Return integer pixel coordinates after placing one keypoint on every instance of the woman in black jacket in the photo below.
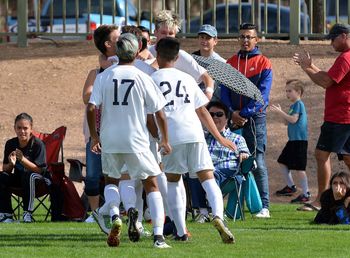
(335, 201)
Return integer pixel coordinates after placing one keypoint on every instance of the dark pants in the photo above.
(17, 180)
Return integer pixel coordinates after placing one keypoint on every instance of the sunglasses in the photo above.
(217, 114)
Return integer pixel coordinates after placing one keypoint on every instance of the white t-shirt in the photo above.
(125, 93)
(183, 97)
(185, 63)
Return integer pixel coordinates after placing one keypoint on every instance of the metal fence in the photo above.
(66, 19)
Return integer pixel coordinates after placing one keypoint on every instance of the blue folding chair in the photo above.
(233, 187)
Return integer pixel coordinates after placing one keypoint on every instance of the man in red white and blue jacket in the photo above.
(247, 113)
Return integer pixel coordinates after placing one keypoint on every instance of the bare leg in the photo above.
(94, 202)
(323, 173)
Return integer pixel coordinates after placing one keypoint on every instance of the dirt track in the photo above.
(46, 81)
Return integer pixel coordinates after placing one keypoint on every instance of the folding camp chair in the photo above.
(54, 147)
(233, 188)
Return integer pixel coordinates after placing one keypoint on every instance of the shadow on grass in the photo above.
(306, 228)
(42, 240)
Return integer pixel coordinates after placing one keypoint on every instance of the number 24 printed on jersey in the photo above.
(180, 93)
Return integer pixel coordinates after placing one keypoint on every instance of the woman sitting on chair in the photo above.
(225, 161)
(24, 161)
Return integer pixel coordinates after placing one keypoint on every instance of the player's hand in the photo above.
(12, 158)
(164, 148)
(95, 145)
(227, 143)
(144, 55)
(303, 59)
(19, 155)
(237, 119)
(243, 156)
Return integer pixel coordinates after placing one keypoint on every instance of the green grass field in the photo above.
(288, 233)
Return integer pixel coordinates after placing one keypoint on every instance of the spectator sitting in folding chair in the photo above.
(225, 161)
(23, 164)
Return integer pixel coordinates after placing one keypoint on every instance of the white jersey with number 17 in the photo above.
(183, 97)
(126, 94)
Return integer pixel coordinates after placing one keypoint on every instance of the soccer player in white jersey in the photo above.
(185, 110)
(167, 24)
(126, 94)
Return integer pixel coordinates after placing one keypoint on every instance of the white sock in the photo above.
(183, 195)
(303, 182)
(112, 201)
(176, 207)
(163, 188)
(127, 193)
(155, 203)
(214, 196)
(287, 175)
(139, 199)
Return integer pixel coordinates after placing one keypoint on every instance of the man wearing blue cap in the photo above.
(207, 40)
(335, 130)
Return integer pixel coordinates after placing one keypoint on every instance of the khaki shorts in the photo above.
(139, 165)
(188, 157)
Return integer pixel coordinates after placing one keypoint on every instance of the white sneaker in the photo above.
(103, 221)
(201, 218)
(27, 217)
(90, 219)
(160, 243)
(6, 218)
(263, 214)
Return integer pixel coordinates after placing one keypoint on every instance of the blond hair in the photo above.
(296, 85)
(169, 19)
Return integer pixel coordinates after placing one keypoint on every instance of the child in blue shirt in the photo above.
(294, 154)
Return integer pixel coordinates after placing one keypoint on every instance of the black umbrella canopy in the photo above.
(230, 77)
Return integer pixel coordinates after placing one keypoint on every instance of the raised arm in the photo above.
(289, 118)
(319, 77)
(209, 85)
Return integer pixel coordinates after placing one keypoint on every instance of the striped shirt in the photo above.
(222, 156)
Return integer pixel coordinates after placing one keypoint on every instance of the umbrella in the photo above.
(229, 77)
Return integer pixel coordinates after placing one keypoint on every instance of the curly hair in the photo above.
(169, 19)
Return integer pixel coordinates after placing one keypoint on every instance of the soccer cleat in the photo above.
(287, 191)
(183, 238)
(302, 198)
(143, 231)
(159, 242)
(27, 217)
(114, 236)
(6, 218)
(226, 235)
(133, 231)
(103, 221)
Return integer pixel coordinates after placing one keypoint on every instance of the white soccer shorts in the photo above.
(188, 157)
(139, 165)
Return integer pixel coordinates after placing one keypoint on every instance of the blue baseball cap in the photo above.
(338, 29)
(209, 30)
